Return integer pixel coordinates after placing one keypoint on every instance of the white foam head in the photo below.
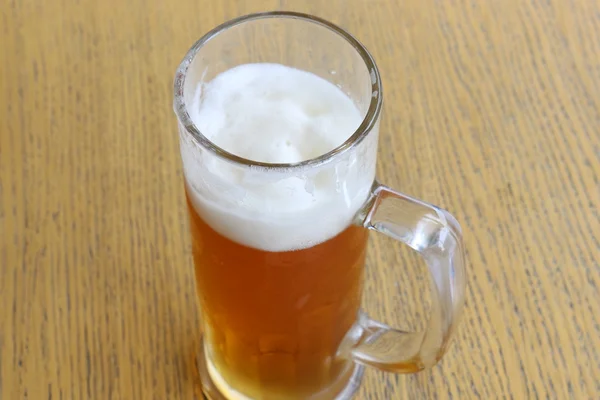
(276, 114)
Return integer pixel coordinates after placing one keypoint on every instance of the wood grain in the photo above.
(492, 111)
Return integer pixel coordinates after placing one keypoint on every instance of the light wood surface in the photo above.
(492, 111)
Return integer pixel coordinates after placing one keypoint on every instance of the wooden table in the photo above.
(492, 111)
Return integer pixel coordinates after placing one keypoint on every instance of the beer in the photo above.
(278, 117)
(278, 262)
(273, 320)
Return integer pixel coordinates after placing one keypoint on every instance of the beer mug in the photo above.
(279, 246)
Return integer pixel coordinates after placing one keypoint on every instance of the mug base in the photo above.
(214, 386)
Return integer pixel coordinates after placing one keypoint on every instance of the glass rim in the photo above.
(368, 121)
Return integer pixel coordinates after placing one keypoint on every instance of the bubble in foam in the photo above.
(277, 114)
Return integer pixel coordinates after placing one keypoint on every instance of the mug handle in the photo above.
(437, 236)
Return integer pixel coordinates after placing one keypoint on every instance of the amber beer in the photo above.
(278, 264)
(273, 321)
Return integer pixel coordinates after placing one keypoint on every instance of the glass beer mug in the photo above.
(279, 247)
